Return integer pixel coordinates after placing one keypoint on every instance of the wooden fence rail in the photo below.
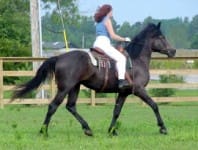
(92, 100)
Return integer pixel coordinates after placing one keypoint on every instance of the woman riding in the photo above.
(104, 33)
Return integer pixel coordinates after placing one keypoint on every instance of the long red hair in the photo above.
(102, 12)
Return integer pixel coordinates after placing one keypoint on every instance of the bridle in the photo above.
(163, 41)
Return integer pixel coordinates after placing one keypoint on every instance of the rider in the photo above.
(104, 33)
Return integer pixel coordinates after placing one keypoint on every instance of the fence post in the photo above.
(93, 98)
(1, 84)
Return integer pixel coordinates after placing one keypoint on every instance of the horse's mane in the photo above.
(136, 45)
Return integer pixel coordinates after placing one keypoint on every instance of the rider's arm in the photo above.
(112, 34)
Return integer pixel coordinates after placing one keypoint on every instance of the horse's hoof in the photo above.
(43, 131)
(113, 132)
(45, 135)
(88, 132)
(163, 131)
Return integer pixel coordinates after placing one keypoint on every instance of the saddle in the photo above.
(105, 62)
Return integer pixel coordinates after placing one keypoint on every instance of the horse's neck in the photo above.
(144, 58)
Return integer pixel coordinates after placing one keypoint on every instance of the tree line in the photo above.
(15, 39)
(180, 32)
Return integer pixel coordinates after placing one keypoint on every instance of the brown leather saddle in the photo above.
(105, 62)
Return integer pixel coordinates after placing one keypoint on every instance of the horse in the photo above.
(75, 68)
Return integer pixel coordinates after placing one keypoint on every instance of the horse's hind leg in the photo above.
(52, 109)
(144, 96)
(71, 107)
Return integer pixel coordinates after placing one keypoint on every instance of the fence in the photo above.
(93, 100)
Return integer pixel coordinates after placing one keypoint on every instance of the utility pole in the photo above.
(36, 36)
(35, 28)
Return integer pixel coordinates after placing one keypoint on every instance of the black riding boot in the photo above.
(123, 84)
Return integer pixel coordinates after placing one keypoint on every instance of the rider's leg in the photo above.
(104, 43)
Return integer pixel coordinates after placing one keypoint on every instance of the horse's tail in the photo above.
(47, 69)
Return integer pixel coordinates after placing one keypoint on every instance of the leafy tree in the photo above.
(181, 33)
(14, 28)
(194, 26)
(148, 20)
(194, 42)
(14, 34)
(83, 33)
(136, 28)
(194, 32)
(125, 29)
(176, 31)
(69, 10)
(52, 25)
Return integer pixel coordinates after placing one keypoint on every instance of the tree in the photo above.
(194, 26)
(194, 32)
(125, 29)
(194, 42)
(14, 33)
(177, 31)
(68, 9)
(14, 28)
(52, 25)
(136, 28)
(181, 33)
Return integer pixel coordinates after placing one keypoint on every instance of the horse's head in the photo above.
(159, 42)
(152, 39)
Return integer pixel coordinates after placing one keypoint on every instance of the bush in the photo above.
(195, 64)
(166, 91)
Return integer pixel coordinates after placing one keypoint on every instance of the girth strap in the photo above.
(105, 77)
(104, 61)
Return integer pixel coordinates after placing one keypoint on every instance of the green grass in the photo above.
(19, 126)
(189, 92)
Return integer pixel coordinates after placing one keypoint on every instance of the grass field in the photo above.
(19, 126)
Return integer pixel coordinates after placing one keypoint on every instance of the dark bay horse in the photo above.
(75, 68)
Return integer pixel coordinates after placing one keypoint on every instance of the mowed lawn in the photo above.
(20, 125)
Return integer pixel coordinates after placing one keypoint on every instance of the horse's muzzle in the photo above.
(171, 52)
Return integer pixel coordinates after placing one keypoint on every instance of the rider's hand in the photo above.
(127, 39)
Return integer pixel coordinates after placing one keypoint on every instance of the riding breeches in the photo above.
(104, 43)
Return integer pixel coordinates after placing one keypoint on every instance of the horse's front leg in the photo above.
(117, 109)
(141, 92)
(71, 107)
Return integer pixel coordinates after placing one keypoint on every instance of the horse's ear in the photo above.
(158, 25)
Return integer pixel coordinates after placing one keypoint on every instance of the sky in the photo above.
(137, 10)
